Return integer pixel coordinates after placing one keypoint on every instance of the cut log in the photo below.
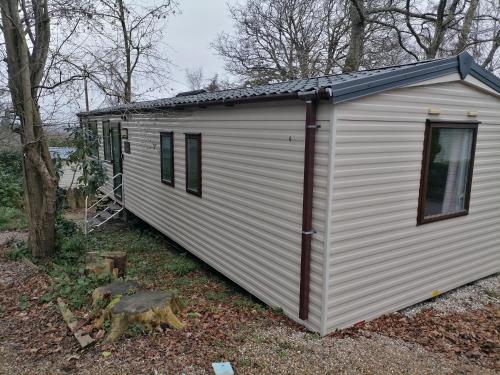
(82, 337)
(111, 262)
(109, 291)
(119, 261)
(149, 309)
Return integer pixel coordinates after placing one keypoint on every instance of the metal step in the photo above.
(107, 206)
(114, 207)
(104, 215)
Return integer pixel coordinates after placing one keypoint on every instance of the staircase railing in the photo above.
(110, 194)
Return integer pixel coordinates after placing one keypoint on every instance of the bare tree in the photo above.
(195, 78)
(464, 33)
(426, 30)
(358, 19)
(123, 45)
(284, 39)
(27, 42)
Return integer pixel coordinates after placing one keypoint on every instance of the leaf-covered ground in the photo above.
(223, 323)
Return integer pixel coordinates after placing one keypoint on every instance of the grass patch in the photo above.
(12, 218)
(181, 265)
(247, 302)
(219, 296)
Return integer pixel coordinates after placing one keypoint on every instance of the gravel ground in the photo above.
(473, 296)
(281, 350)
(285, 351)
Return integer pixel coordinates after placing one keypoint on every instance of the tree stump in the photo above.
(112, 262)
(150, 309)
(119, 287)
(119, 262)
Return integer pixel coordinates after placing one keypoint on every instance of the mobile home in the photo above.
(337, 198)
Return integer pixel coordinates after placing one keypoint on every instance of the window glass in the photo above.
(193, 163)
(167, 157)
(93, 138)
(448, 173)
(106, 140)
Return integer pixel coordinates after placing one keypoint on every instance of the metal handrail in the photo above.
(106, 220)
(102, 198)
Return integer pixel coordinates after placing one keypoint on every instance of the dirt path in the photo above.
(35, 340)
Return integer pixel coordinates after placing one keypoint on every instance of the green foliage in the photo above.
(181, 265)
(11, 179)
(12, 218)
(106, 325)
(65, 227)
(18, 250)
(59, 140)
(73, 285)
(247, 302)
(217, 296)
(84, 158)
(24, 303)
(135, 329)
(68, 267)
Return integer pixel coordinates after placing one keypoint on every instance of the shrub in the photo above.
(12, 218)
(18, 250)
(11, 179)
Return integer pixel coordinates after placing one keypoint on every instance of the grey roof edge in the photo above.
(485, 76)
(392, 79)
(343, 87)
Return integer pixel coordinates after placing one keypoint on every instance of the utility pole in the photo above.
(85, 88)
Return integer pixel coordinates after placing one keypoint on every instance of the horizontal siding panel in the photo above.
(380, 260)
(248, 222)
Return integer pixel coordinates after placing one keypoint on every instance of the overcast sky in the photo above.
(189, 35)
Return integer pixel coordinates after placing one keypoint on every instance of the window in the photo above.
(126, 147)
(447, 165)
(92, 138)
(167, 158)
(193, 164)
(106, 140)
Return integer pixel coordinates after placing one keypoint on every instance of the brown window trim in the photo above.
(171, 135)
(429, 125)
(196, 136)
(106, 141)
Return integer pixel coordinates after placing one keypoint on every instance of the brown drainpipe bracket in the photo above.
(311, 99)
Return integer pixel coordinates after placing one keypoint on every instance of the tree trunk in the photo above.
(356, 40)
(40, 203)
(463, 37)
(127, 95)
(493, 50)
(24, 73)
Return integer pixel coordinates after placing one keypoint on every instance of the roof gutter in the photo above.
(311, 99)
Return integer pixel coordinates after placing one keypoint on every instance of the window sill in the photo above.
(169, 183)
(432, 219)
(193, 192)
